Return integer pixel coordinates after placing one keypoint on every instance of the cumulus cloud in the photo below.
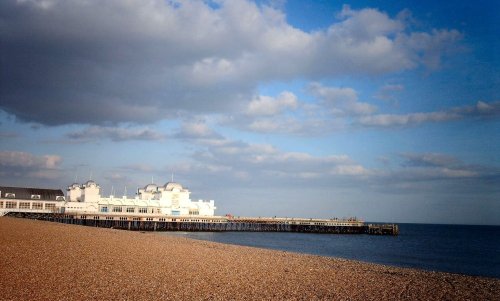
(116, 134)
(337, 108)
(137, 61)
(26, 165)
(197, 130)
(228, 157)
(265, 105)
(27, 160)
(341, 101)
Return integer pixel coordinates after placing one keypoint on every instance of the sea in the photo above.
(462, 249)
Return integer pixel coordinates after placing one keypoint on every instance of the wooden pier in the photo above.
(216, 223)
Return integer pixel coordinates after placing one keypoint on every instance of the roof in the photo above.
(22, 193)
(151, 187)
(171, 185)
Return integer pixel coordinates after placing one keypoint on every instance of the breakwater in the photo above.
(217, 223)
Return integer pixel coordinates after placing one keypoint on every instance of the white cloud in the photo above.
(391, 120)
(27, 160)
(341, 101)
(24, 165)
(197, 129)
(428, 48)
(144, 61)
(265, 105)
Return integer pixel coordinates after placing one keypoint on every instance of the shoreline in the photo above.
(294, 243)
(45, 260)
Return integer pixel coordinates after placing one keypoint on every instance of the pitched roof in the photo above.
(22, 193)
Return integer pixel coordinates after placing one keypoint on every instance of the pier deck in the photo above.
(216, 223)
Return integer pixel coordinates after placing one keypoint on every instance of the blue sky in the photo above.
(388, 111)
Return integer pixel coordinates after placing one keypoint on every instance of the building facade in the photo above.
(20, 199)
(171, 199)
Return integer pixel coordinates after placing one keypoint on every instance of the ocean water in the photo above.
(470, 250)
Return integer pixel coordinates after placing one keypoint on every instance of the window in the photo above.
(60, 198)
(104, 209)
(194, 212)
(130, 209)
(10, 204)
(1, 204)
(50, 206)
(143, 210)
(35, 196)
(10, 195)
(24, 205)
(123, 218)
(37, 206)
(117, 209)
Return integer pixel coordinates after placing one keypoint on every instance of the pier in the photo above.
(216, 223)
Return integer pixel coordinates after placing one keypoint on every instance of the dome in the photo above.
(90, 182)
(171, 185)
(151, 187)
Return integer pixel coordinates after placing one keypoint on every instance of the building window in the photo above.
(35, 196)
(117, 209)
(10, 204)
(37, 206)
(194, 212)
(123, 218)
(24, 205)
(130, 209)
(10, 195)
(50, 206)
(60, 198)
(104, 209)
(143, 210)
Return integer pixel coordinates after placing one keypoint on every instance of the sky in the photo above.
(384, 110)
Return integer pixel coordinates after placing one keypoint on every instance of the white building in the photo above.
(169, 199)
(35, 200)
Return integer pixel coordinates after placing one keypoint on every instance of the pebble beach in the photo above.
(50, 261)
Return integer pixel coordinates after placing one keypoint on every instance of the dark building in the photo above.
(21, 193)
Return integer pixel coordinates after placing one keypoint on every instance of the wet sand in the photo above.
(51, 261)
